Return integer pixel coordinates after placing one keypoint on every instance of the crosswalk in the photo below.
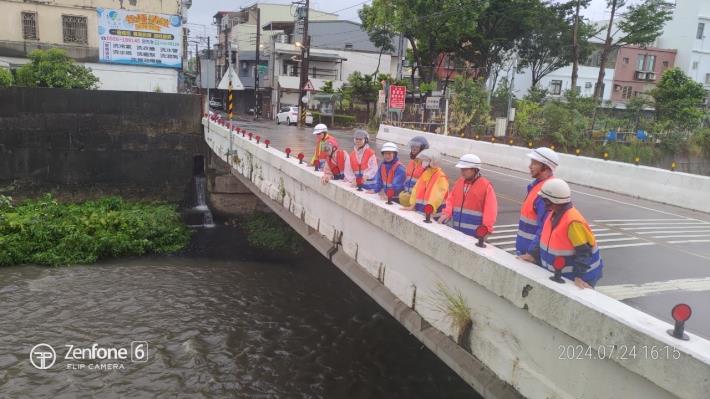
(625, 233)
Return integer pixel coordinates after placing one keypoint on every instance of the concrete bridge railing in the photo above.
(675, 188)
(540, 338)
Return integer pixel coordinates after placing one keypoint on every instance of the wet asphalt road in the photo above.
(655, 255)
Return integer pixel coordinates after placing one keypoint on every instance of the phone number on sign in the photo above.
(618, 352)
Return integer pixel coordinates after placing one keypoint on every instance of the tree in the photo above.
(576, 52)
(380, 36)
(432, 27)
(641, 24)
(500, 25)
(327, 87)
(6, 79)
(364, 89)
(469, 105)
(54, 68)
(546, 47)
(678, 100)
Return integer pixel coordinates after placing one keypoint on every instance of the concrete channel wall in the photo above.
(524, 325)
(675, 188)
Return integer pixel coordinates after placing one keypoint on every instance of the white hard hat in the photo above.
(556, 190)
(468, 161)
(320, 128)
(545, 156)
(428, 155)
(391, 147)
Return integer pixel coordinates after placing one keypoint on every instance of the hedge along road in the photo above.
(655, 255)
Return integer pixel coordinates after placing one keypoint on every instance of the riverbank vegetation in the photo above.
(46, 232)
(266, 232)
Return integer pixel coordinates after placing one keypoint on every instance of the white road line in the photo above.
(495, 237)
(686, 223)
(595, 230)
(506, 225)
(503, 243)
(505, 231)
(667, 228)
(673, 231)
(683, 236)
(627, 291)
(618, 239)
(511, 249)
(607, 234)
(638, 244)
(637, 220)
(687, 241)
(606, 198)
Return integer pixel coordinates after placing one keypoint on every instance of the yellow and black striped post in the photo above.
(230, 101)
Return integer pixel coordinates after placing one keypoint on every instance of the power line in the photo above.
(353, 6)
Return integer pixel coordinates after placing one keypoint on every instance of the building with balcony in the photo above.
(73, 25)
(638, 70)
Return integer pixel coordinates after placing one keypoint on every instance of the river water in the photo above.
(217, 324)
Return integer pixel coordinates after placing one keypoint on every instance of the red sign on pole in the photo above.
(397, 96)
(309, 86)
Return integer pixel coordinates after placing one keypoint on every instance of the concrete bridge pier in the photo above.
(226, 195)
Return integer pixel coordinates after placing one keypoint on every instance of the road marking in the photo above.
(686, 222)
(665, 228)
(507, 225)
(636, 220)
(503, 243)
(618, 239)
(687, 241)
(638, 244)
(505, 231)
(608, 199)
(628, 291)
(674, 232)
(607, 234)
(495, 237)
(683, 236)
(511, 249)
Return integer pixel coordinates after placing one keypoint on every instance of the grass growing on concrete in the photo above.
(267, 232)
(453, 305)
(46, 232)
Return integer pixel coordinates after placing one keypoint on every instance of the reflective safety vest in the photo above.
(555, 243)
(337, 166)
(388, 178)
(320, 154)
(423, 193)
(527, 226)
(358, 168)
(414, 171)
(468, 200)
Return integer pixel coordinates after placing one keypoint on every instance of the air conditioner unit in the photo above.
(588, 85)
(640, 75)
(283, 39)
(650, 76)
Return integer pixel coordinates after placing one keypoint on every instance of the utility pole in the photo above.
(575, 48)
(305, 49)
(209, 57)
(257, 99)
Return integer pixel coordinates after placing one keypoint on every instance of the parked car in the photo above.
(216, 104)
(289, 115)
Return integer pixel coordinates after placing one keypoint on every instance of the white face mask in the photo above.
(426, 164)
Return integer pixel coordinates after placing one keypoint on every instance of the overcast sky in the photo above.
(200, 15)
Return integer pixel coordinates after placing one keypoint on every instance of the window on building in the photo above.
(695, 64)
(626, 92)
(646, 62)
(665, 64)
(29, 26)
(556, 87)
(348, 46)
(650, 63)
(74, 29)
(701, 30)
(626, 60)
(707, 78)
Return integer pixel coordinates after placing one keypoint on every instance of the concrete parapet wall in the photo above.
(674, 188)
(522, 322)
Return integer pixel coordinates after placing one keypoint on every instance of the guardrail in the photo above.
(675, 188)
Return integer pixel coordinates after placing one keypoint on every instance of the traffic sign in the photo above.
(433, 102)
(309, 86)
(397, 96)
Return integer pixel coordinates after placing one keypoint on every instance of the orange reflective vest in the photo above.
(556, 247)
(320, 154)
(528, 225)
(469, 201)
(358, 168)
(424, 192)
(414, 171)
(337, 166)
(388, 178)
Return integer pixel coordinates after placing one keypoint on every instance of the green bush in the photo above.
(54, 68)
(267, 232)
(6, 79)
(46, 232)
(340, 120)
